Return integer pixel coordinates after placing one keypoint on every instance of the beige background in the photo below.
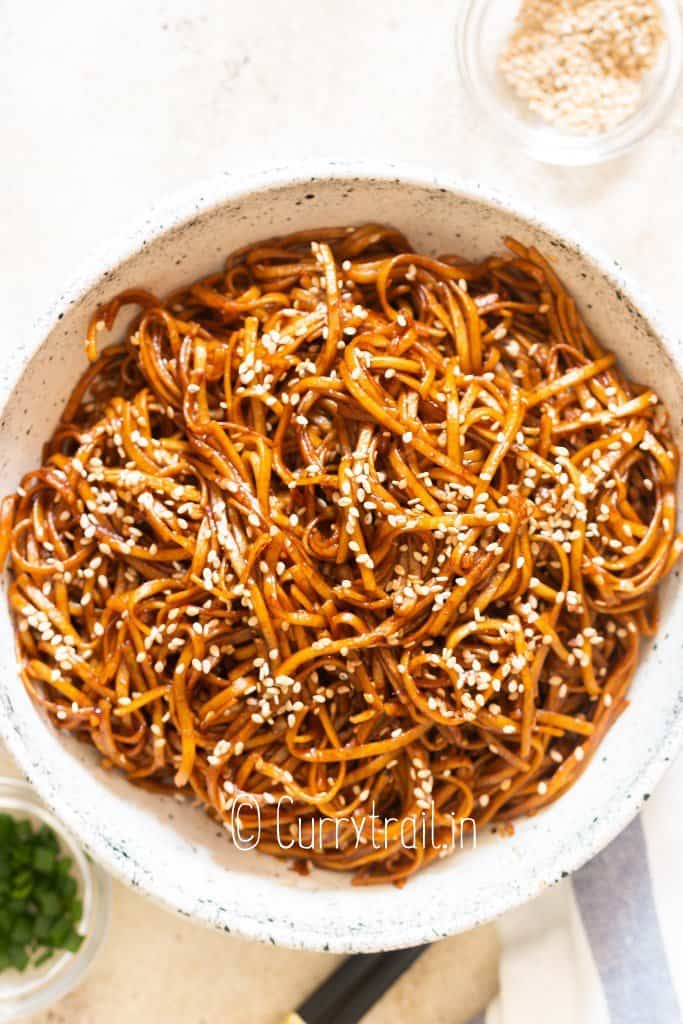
(106, 107)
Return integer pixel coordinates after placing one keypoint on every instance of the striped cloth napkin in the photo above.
(606, 946)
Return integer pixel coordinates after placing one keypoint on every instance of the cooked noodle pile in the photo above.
(348, 525)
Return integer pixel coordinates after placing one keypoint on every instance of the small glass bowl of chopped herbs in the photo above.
(54, 905)
(484, 29)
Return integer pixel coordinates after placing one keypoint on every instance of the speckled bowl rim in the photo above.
(171, 212)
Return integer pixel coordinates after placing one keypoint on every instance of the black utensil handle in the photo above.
(354, 987)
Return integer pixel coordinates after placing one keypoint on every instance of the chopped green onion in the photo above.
(39, 903)
(44, 860)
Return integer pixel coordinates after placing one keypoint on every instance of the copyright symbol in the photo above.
(245, 833)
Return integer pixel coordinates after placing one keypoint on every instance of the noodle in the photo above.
(352, 526)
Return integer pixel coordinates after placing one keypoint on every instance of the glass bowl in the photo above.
(27, 992)
(483, 27)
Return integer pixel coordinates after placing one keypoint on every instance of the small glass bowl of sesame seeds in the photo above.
(39, 985)
(533, 87)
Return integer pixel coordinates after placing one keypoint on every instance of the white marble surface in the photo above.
(107, 107)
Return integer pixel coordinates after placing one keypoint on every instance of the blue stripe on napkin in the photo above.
(614, 895)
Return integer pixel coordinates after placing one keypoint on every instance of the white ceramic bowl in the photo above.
(174, 852)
